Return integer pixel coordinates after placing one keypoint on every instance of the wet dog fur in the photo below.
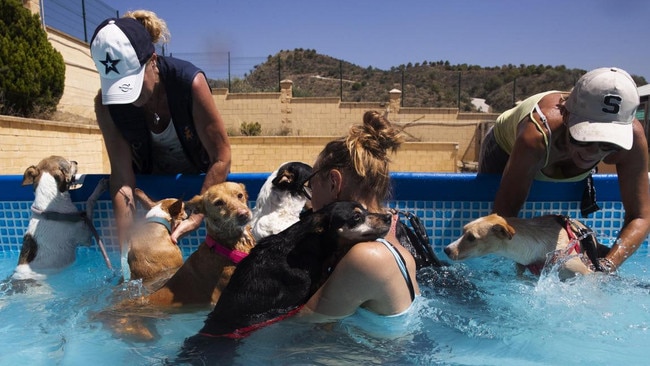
(201, 279)
(205, 273)
(56, 227)
(525, 241)
(152, 253)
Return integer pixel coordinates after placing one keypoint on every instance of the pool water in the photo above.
(474, 313)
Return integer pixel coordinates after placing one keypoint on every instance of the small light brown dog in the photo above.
(527, 242)
(207, 271)
(152, 254)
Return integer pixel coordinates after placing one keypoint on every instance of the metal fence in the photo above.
(221, 65)
(429, 84)
(80, 18)
(76, 18)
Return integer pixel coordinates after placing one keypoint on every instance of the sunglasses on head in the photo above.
(306, 184)
(602, 146)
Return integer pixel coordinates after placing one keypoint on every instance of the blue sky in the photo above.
(583, 34)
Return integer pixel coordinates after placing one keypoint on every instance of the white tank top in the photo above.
(168, 154)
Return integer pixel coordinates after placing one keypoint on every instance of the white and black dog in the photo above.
(281, 199)
(56, 227)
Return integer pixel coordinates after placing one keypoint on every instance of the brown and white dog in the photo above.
(206, 272)
(152, 253)
(528, 241)
(56, 227)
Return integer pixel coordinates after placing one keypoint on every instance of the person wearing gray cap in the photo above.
(560, 136)
(156, 114)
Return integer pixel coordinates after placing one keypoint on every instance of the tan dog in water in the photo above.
(152, 254)
(207, 271)
(205, 274)
(528, 241)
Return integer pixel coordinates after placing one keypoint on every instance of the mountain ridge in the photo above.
(423, 84)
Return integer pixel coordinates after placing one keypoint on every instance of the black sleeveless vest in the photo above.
(177, 76)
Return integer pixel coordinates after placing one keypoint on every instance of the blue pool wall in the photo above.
(444, 202)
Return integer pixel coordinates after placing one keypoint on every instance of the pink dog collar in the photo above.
(234, 255)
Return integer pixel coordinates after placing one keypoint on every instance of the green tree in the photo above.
(32, 72)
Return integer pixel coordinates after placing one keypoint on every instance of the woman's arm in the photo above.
(212, 133)
(122, 179)
(526, 159)
(632, 170)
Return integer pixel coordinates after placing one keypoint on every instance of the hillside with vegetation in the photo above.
(423, 84)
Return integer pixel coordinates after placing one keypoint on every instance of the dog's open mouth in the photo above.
(76, 182)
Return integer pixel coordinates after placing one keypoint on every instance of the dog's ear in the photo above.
(503, 231)
(30, 174)
(176, 208)
(145, 200)
(318, 222)
(195, 204)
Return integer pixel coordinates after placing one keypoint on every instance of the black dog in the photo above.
(284, 270)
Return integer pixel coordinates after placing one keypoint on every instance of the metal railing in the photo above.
(77, 19)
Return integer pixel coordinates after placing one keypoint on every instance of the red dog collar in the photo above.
(574, 242)
(234, 255)
(246, 331)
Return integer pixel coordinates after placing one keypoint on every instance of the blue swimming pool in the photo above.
(475, 313)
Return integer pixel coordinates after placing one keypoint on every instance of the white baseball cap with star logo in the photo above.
(120, 49)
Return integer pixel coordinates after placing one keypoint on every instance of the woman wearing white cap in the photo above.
(557, 136)
(156, 113)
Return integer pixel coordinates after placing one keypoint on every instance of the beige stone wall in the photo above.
(81, 78)
(439, 138)
(25, 142)
(265, 154)
(280, 114)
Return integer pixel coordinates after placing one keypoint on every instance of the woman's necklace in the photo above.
(156, 98)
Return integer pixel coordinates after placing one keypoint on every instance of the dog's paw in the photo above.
(102, 186)
(24, 272)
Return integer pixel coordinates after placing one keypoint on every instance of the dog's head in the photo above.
(60, 169)
(224, 205)
(347, 223)
(291, 177)
(170, 209)
(482, 236)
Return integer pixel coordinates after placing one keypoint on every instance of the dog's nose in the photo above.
(243, 216)
(452, 252)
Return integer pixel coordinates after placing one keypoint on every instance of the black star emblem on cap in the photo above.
(109, 63)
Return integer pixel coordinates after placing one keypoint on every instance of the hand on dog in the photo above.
(187, 226)
(604, 266)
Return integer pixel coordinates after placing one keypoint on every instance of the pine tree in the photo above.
(32, 72)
